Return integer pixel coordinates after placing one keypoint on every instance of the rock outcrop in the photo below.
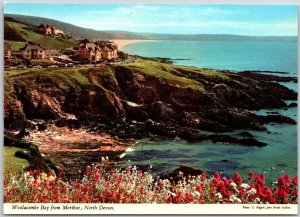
(148, 99)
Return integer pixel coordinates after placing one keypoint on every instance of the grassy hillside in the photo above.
(77, 78)
(17, 33)
(76, 31)
(80, 32)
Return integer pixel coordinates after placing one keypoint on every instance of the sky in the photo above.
(260, 20)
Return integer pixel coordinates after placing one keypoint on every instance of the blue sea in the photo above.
(279, 156)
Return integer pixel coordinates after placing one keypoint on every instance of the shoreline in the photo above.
(124, 42)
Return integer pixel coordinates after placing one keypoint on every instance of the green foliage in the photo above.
(16, 45)
(164, 71)
(13, 163)
(17, 33)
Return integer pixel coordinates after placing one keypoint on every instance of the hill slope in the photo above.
(80, 32)
(76, 31)
(172, 95)
(16, 33)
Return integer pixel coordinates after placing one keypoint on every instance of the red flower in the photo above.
(241, 193)
(189, 197)
(63, 190)
(86, 189)
(203, 177)
(199, 188)
(281, 181)
(35, 172)
(286, 178)
(42, 200)
(178, 197)
(128, 170)
(237, 178)
(169, 199)
(56, 191)
(132, 195)
(251, 175)
(281, 194)
(97, 176)
(295, 180)
(51, 183)
(106, 163)
(140, 173)
(88, 169)
(217, 176)
(260, 179)
(79, 185)
(142, 189)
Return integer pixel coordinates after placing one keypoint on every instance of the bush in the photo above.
(106, 184)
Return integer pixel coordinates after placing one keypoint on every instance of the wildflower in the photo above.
(35, 172)
(63, 190)
(260, 179)
(199, 188)
(79, 185)
(241, 193)
(97, 176)
(169, 199)
(237, 178)
(197, 193)
(295, 181)
(218, 196)
(245, 186)
(238, 200)
(142, 189)
(281, 181)
(51, 183)
(233, 185)
(132, 195)
(251, 175)
(203, 177)
(86, 189)
(42, 200)
(88, 169)
(257, 200)
(252, 191)
(286, 178)
(217, 176)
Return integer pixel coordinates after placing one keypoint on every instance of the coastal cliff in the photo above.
(143, 99)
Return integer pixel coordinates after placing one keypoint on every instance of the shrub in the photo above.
(106, 184)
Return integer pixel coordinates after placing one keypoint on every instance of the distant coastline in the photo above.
(123, 42)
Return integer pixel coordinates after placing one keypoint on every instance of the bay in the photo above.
(281, 152)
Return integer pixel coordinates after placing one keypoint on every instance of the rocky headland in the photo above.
(113, 105)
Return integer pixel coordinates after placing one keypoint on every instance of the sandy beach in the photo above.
(123, 42)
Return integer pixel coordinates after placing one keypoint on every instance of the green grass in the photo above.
(11, 162)
(164, 71)
(41, 61)
(16, 45)
(208, 73)
(63, 78)
(28, 34)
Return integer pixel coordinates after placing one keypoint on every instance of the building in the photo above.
(109, 49)
(95, 51)
(7, 53)
(88, 51)
(52, 53)
(32, 51)
(49, 30)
